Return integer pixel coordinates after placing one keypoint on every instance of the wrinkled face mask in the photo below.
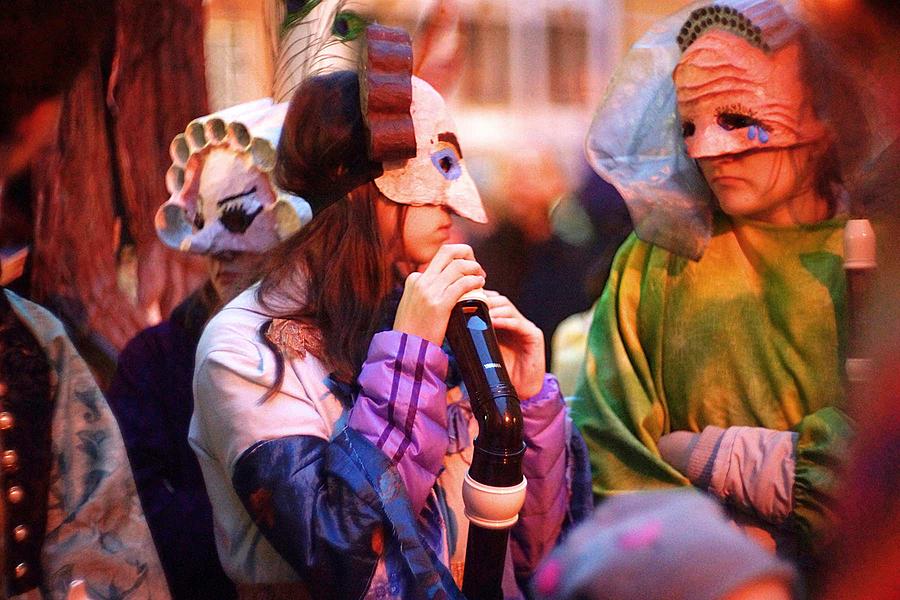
(437, 175)
(733, 97)
(223, 198)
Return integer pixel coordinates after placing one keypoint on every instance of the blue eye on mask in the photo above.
(446, 162)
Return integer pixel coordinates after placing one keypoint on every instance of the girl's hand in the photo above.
(521, 343)
(429, 296)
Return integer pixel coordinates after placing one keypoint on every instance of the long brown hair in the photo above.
(337, 272)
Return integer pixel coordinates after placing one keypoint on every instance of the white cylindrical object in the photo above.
(859, 245)
(493, 507)
(474, 295)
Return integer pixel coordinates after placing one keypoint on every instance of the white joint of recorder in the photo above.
(474, 295)
(859, 245)
(493, 507)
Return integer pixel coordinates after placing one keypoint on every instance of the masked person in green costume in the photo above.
(715, 354)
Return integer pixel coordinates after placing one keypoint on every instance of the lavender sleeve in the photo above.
(402, 408)
(545, 467)
(751, 467)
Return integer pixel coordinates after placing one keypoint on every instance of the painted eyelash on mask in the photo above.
(238, 213)
(736, 116)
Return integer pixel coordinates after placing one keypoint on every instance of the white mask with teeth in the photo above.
(223, 198)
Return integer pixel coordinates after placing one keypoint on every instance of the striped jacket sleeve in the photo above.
(402, 408)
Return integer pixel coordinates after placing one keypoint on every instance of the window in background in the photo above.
(567, 46)
(485, 78)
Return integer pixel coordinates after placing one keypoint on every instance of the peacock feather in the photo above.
(310, 37)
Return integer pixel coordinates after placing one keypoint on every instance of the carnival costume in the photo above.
(221, 176)
(340, 491)
(709, 323)
(69, 505)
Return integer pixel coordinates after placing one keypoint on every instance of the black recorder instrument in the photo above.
(494, 487)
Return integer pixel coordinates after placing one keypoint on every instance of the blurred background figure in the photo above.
(608, 224)
(662, 545)
(865, 551)
(525, 259)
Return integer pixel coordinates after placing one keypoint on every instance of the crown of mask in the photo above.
(763, 23)
(223, 197)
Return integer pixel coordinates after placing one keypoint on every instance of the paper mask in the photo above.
(733, 96)
(437, 175)
(636, 140)
(223, 198)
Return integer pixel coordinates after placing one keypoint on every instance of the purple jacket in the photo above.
(403, 408)
(308, 492)
(151, 398)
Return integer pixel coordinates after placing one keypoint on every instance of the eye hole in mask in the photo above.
(736, 116)
(687, 129)
(238, 212)
(446, 161)
(348, 25)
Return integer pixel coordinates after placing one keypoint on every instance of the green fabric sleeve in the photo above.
(822, 448)
(617, 405)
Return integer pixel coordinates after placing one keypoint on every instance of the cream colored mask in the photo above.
(223, 197)
(437, 175)
(733, 96)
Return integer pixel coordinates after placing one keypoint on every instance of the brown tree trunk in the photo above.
(157, 86)
(75, 268)
(110, 159)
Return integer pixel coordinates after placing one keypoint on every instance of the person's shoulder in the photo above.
(635, 252)
(151, 336)
(51, 335)
(237, 330)
(42, 323)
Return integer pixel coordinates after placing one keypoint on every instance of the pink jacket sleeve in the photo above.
(750, 467)
(545, 467)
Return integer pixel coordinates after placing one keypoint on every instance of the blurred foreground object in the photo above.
(665, 545)
(862, 560)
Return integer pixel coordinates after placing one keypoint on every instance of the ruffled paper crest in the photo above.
(229, 128)
(385, 89)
